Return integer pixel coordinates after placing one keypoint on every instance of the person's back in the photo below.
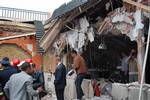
(60, 74)
(17, 86)
(60, 79)
(80, 62)
(5, 75)
(38, 79)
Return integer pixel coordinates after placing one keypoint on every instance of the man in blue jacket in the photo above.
(6, 72)
(60, 79)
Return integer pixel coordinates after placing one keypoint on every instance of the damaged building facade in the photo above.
(100, 30)
(103, 32)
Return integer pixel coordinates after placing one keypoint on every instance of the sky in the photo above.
(38, 5)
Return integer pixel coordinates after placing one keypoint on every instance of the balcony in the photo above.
(22, 14)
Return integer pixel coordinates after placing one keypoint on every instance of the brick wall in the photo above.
(49, 62)
(13, 51)
(26, 44)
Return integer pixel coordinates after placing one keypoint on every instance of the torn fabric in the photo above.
(72, 38)
(90, 34)
(84, 24)
(81, 40)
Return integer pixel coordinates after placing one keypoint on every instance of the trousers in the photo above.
(78, 83)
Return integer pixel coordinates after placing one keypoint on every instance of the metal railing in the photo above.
(22, 14)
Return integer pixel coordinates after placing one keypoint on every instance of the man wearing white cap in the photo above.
(19, 86)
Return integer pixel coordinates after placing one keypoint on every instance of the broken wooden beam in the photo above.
(139, 5)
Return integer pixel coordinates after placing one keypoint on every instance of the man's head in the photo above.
(5, 61)
(26, 67)
(73, 53)
(58, 59)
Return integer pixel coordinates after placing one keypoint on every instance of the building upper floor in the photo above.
(15, 14)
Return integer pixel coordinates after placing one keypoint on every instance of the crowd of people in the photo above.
(20, 80)
(80, 68)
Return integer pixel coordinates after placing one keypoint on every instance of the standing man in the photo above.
(38, 80)
(133, 68)
(81, 69)
(5, 73)
(60, 79)
(19, 86)
(125, 66)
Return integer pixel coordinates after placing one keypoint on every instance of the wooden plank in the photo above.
(50, 36)
(16, 36)
(139, 5)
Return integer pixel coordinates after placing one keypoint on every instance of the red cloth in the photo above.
(96, 88)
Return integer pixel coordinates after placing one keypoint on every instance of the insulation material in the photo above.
(84, 24)
(90, 34)
(138, 20)
(72, 38)
(87, 88)
(119, 91)
(76, 38)
(134, 93)
(122, 18)
(70, 89)
(82, 39)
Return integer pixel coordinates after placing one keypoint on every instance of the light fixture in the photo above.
(102, 44)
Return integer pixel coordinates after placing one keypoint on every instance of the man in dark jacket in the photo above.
(38, 80)
(60, 79)
(1, 89)
(6, 72)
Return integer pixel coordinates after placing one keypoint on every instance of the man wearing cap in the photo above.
(19, 86)
(6, 71)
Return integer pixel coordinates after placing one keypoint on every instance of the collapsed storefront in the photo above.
(100, 30)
